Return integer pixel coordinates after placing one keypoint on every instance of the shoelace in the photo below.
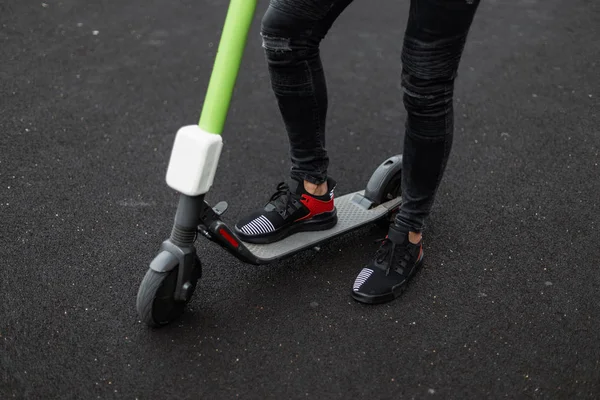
(283, 190)
(388, 248)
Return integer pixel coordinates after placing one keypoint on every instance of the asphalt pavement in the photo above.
(506, 306)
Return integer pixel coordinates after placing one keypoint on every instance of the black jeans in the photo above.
(433, 45)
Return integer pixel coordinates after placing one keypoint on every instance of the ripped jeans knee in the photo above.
(286, 35)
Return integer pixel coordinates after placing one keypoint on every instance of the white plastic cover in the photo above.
(194, 160)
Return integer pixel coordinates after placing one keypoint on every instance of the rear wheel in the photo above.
(385, 183)
(393, 191)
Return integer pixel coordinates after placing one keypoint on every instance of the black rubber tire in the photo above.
(384, 181)
(394, 187)
(391, 191)
(156, 305)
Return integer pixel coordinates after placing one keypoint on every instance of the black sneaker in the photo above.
(388, 274)
(290, 210)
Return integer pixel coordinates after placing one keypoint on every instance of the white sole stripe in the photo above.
(250, 227)
(256, 226)
(362, 278)
(261, 225)
(269, 223)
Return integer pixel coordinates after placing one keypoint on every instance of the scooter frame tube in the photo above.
(227, 65)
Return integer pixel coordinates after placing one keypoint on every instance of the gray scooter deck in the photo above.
(350, 215)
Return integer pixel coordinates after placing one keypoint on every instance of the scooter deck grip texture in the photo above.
(350, 216)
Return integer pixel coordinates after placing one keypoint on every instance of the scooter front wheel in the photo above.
(156, 304)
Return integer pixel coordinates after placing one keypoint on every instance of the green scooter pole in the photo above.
(227, 65)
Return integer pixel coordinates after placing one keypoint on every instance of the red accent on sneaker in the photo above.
(315, 206)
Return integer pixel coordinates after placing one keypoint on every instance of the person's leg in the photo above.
(433, 45)
(435, 37)
(292, 31)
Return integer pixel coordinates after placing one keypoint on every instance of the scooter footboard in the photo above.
(352, 214)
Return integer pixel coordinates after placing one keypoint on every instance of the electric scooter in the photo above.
(173, 274)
